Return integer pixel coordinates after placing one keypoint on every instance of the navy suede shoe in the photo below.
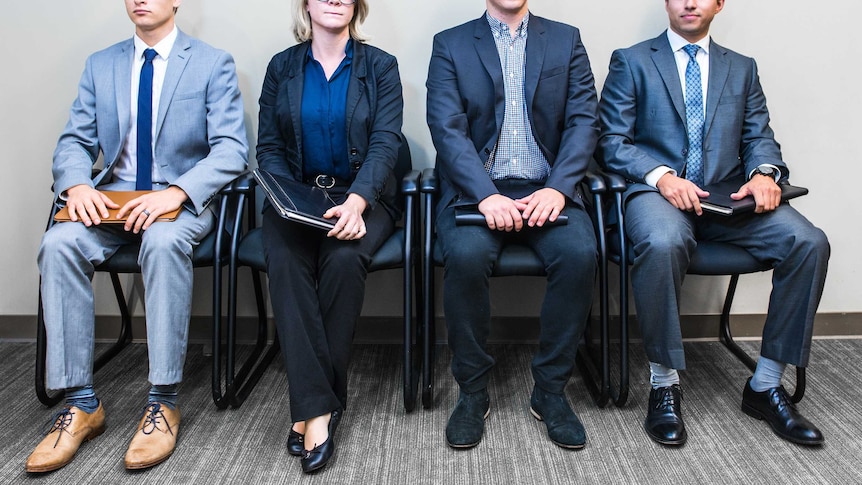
(467, 422)
(564, 427)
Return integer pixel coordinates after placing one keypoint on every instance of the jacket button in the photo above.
(487, 151)
(356, 164)
(353, 151)
(685, 152)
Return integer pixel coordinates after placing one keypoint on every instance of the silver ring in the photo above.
(146, 213)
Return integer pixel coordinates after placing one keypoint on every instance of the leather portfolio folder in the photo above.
(121, 198)
(296, 201)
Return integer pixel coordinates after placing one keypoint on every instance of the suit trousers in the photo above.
(67, 257)
(663, 239)
(469, 255)
(317, 285)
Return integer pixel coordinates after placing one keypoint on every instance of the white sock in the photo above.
(661, 376)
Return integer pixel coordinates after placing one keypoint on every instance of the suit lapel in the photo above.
(666, 64)
(356, 84)
(719, 69)
(535, 57)
(295, 82)
(122, 89)
(177, 62)
(486, 49)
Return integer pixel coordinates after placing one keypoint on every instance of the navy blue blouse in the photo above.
(324, 118)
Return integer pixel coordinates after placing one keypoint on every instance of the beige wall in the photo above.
(805, 51)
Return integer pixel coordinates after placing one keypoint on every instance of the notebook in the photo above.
(121, 198)
(719, 200)
(296, 201)
(469, 215)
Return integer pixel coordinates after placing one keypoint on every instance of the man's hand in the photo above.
(350, 224)
(681, 193)
(766, 193)
(542, 205)
(144, 210)
(88, 204)
(501, 213)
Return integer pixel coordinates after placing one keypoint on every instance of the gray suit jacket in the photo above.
(200, 141)
(642, 116)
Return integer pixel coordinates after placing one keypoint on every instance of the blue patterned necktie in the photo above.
(144, 175)
(694, 117)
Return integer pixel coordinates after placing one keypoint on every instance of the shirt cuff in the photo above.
(652, 177)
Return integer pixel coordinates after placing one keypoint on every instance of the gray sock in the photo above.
(767, 374)
(83, 398)
(165, 394)
(661, 376)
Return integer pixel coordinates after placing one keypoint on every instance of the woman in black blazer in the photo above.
(330, 116)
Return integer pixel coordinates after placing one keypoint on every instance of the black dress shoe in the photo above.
(295, 442)
(775, 407)
(663, 422)
(564, 428)
(467, 422)
(317, 457)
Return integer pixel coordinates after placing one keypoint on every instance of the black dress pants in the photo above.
(317, 285)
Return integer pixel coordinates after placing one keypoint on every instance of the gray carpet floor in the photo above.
(379, 443)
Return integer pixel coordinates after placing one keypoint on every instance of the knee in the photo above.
(665, 242)
(469, 259)
(159, 242)
(58, 243)
(814, 241)
(346, 258)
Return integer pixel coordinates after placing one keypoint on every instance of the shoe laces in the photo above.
(667, 400)
(782, 401)
(154, 414)
(61, 420)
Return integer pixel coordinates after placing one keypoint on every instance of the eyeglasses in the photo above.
(345, 2)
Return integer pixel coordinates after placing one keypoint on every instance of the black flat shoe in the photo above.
(295, 442)
(775, 407)
(317, 457)
(663, 423)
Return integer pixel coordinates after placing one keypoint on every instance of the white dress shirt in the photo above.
(127, 166)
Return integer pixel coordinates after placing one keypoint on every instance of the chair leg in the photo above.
(621, 396)
(727, 339)
(242, 383)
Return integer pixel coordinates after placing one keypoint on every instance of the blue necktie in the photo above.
(144, 176)
(694, 117)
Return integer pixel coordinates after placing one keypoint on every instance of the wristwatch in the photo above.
(764, 170)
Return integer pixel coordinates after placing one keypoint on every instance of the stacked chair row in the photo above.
(236, 242)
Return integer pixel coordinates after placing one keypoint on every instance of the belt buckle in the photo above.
(324, 181)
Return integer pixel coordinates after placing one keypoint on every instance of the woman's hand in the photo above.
(350, 224)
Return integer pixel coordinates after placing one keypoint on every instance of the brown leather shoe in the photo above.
(71, 428)
(155, 438)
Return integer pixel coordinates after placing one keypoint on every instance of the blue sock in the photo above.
(767, 374)
(661, 376)
(83, 398)
(165, 394)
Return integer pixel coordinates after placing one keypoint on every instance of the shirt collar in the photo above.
(163, 48)
(502, 28)
(677, 42)
(348, 51)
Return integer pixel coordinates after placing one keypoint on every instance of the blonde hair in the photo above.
(302, 20)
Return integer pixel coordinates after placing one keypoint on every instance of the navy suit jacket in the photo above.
(200, 143)
(644, 124)
(466, 98)
(374, 116)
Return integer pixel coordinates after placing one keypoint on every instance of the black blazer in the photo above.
(466, 106)
(374, 116)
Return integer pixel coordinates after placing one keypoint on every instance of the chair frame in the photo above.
(238, 385)
(593, 363)
(617, 186)
(218, 261)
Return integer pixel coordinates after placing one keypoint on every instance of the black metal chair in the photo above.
(398, 252)
(518, 260)
(211, 252)
(709, 259)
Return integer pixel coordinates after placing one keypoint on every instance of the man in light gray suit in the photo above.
(165, 112)
(679, 112)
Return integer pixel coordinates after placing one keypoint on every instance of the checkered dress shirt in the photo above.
(516, 154)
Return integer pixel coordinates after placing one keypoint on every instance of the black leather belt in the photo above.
(325, 181)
